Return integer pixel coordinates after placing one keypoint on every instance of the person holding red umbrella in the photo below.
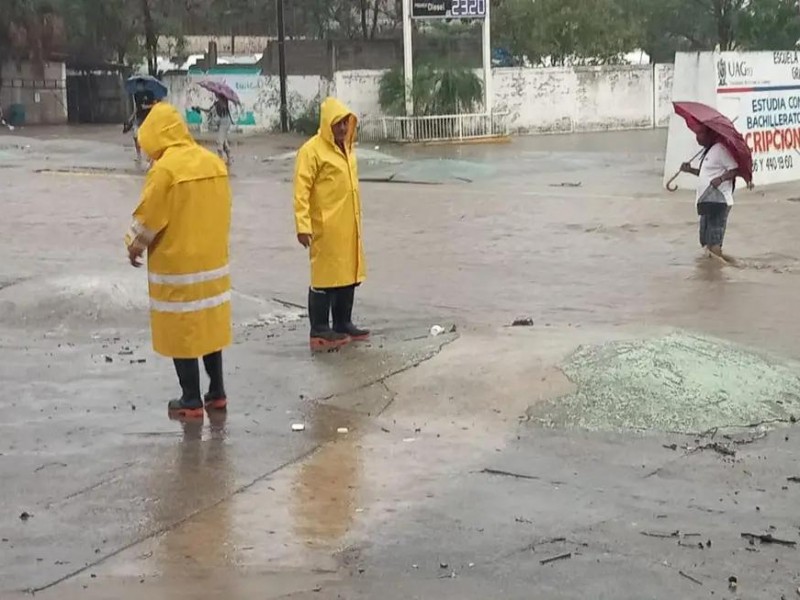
(724, 157)
(220, 112)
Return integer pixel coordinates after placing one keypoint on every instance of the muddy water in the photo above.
(572, 231)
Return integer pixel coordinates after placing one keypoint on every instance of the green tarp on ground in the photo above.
(680, 382)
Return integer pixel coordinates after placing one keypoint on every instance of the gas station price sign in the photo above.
(448, 9)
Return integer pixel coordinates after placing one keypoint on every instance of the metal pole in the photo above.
(282, 67)
(488, 92)
(408, 57)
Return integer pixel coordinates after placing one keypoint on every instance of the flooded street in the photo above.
(447, 482)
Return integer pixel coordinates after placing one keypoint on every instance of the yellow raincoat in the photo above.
(183, 220)
(327, 203)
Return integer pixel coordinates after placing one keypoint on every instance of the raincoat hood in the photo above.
(331, 112)
(163, 128)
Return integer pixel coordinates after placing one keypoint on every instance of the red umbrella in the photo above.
(699, 115)
(220, 89)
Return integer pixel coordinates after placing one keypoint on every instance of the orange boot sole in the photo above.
(217, 404)
(322, 345)
(177, 414)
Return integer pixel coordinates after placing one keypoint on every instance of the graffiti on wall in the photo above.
(259, 95)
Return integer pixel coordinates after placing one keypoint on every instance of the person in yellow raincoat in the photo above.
(327, 209)
(183, 222)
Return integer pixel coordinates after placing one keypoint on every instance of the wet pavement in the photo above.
(445, 484)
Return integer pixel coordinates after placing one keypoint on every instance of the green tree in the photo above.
(106, 30)
(30, 29)
(559, 32)
(673, 25)
(769, 25)
(327, 19)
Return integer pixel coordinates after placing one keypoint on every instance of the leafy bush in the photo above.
(436, 91)
(307, 122)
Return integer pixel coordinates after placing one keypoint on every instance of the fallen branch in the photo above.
(657, 534)
(795, 479)
(716, 447)
(768, 538)
(690, 578)
(547, 561)
(749, 440)
(508, 474)
(288, 304)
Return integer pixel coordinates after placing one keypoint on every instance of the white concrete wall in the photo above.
(359, 91)
(562, 100)
(541, 100)
(197, 44)
(42, 93)
(664, 75)
(260, 96)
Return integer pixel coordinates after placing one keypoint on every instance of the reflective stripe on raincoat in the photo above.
(183, 220)
(327, 203)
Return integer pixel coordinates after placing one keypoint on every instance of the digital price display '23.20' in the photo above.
(448, 9)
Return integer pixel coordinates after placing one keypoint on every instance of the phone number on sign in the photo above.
(773, 163)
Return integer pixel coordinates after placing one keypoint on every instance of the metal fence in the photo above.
(444, 128)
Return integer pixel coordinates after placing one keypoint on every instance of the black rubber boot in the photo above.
(343, 300)
(190, 404)
(322, 336)
(215, 399)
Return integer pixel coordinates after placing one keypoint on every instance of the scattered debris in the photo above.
(298, 427)
(50, 464)
(522, 322)
(288, 304)
(567, 184)
(671, 446)
(547, 561)
(408, 440)
(690, 578)
(138, 361)
(768, 538)
(794, 479)
(508, 474)
(343, 430)
(437, 330)
(733, 583)
(109, 359)
(716, 447)
(657, 534)
(385, 430)
(523, 520)
(25, 516)
(443, 565)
